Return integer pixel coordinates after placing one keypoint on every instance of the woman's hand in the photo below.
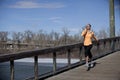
(84, 32)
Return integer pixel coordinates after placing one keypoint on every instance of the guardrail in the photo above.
(105, 46)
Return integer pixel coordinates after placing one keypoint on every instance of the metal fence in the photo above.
(68, 52)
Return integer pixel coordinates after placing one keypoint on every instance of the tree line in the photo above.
(52, 39)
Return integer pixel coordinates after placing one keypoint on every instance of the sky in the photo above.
(48, 15)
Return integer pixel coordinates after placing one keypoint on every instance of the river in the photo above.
(24, 68)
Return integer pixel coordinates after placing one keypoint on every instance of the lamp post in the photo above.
(112, 18)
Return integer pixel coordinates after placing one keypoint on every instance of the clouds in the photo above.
(33, 4)
(74, 29)
(56, 19)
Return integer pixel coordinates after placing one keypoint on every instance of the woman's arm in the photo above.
(84, 32)
(94, 37)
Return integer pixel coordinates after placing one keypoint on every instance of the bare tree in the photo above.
(28, 36)
(3, 36)
(54, 38)
(17, 37)
(3, 40)
(76, 37)
(50, 38)
(102, 34)
(65, 34)
(41, 38)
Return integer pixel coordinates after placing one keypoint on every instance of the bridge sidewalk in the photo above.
(107, 68)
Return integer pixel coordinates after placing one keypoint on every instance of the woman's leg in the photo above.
(90, 55)
(87, 61)
(86, 55)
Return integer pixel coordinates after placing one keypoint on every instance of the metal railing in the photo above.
(105, 47)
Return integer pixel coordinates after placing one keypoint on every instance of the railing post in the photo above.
(80, 53)
(98, 49)
(118, 43)
(36, 67)
(112, 45)
(115, 44)
(11, 69)
(69, 57)
(54, 62)
(104, 44)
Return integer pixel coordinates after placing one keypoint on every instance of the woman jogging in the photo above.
(88, 36)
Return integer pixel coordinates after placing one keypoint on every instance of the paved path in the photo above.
(107, 68)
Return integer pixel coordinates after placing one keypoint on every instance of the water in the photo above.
(25, 68)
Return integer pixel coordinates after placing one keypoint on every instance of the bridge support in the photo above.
(54, 62)
(12, 70)
(69, 57)
(36, 67)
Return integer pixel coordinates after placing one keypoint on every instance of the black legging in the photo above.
(88, 51)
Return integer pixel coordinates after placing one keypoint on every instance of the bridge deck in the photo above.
(107, 68)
